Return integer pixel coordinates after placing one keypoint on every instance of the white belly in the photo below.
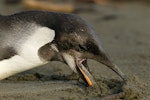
(27, 57)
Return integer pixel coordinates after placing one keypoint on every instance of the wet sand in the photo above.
(124, 31)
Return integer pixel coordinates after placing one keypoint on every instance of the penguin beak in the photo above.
(86, 76)
(77, 65)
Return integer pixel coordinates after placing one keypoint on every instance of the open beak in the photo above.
(89, 79)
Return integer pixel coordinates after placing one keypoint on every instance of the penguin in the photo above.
(33, 38)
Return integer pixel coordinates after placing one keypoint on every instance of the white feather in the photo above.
(27, 57)
(70, 61)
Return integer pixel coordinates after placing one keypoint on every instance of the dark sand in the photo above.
(125, 33)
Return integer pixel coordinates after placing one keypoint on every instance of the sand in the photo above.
(124, 31)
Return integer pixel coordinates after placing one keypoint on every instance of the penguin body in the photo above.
(33, 38)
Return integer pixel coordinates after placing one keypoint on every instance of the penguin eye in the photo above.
(82, 48)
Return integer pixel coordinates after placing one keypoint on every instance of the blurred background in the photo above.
(68, 6)
(123, 27)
